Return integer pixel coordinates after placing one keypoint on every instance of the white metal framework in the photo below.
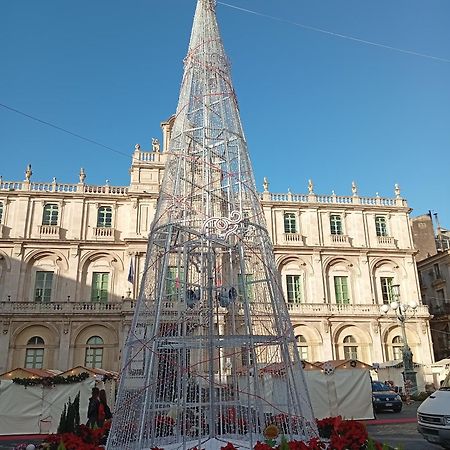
(211, 355)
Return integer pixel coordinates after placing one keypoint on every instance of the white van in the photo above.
(433, 416)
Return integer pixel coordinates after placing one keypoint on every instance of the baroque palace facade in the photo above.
(72, 255)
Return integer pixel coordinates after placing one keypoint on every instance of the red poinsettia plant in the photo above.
(84, 438)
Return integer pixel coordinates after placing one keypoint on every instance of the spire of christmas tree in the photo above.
(211, 355)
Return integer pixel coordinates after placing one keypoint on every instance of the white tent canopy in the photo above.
(37, 409)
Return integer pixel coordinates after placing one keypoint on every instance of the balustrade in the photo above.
(103, 232)
(327, 309)
(293, 237)
(68, 307)
(339, 239)
(386, 241)
(49, 231)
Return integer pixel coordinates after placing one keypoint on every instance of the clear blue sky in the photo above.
(313, 105)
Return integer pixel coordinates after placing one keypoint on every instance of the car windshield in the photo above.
(378, 387)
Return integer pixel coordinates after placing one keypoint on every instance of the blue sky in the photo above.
(313, 105)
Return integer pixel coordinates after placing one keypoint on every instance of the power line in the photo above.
(64, 130)
(339, 35)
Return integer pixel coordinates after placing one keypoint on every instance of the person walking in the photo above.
(104, 412)
(93, 407)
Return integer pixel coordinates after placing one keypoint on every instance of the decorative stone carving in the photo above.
(397, 190)
(266, 185)
(310, 187)
(82, 175)
(354, 189)
(155, 145)
(28, 173)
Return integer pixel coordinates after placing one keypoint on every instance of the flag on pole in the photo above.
(131, 272)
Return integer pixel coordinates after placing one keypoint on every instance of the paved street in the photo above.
(402, 435)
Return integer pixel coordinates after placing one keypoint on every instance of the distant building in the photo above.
(72, 255)
(434, 273)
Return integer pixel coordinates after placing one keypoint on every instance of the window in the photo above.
(245, 286)
(386, 289)
(34, 356)
(437, 271)
(104, 217)
(50, 214)
(381, 226)
(294, 288)
(335, 224)
(99, 292)
(440, 296)
(397, 346)
(341, 290)
(350, 349)
(43, 287)
(94, 353)
(302, 347)
(246, 356)
(290, 225)
(1, 211)
(174, 281)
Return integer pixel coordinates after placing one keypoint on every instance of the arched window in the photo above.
(50, 214)
(350, 348)
(104, 217)
(302, 347)
(94, 353)
(34, 356)
(397, 345)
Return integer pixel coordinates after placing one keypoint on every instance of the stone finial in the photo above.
(354, 189)
(107, 183)
(397, 190)
(155, 145)
(28, 173)
(310, 186)
(266, 184)
(137, 147)
(82, 175)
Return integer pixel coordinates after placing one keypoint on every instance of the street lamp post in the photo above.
(401, 310)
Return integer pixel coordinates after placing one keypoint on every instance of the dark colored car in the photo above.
(383, 397)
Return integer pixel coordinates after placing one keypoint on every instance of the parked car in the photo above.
(383, 397)
(433, 416)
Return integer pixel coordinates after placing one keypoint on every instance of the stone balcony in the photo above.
(293, 238)
(386, 241)
(55, 308)
(329, 310)
(49, 231)
(320, 310)
(103, 233)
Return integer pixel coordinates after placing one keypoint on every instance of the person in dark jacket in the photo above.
(104, 413)
(94, 403)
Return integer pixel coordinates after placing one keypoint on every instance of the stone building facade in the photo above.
(71, 256)
(433, 265)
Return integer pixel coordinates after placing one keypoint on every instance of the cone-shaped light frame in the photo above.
(211, 355)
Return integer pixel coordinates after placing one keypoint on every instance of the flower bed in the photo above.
(334, 434)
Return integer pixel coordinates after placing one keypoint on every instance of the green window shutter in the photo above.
(294, 289)
(50, 214)
(341, 290)
(99, 291)
(104, 217)
(43, 287)
(386, 289)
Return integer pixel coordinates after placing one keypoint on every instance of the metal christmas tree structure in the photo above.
(211, 356)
